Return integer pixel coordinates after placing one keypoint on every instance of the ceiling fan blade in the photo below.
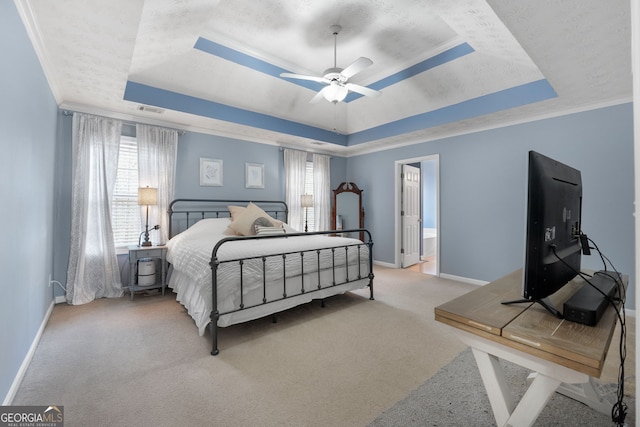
(318, 96)
(362, 90)
(357, 66)
(303, 77)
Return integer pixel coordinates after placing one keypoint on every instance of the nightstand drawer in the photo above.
(136, 252)
(148, 253)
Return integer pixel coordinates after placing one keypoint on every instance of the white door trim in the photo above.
(397, 203)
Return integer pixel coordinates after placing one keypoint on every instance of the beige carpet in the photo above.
(123, 363)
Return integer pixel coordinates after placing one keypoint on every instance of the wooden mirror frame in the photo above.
(348, 187)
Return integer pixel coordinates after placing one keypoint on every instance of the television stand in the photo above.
(534, 339)
(545, 302)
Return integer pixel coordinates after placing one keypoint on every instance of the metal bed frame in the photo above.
(209, 208)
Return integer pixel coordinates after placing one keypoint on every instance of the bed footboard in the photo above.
(323, 272)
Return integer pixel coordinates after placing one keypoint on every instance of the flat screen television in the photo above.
(552, 243)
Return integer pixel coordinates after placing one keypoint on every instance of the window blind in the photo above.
(125, 211)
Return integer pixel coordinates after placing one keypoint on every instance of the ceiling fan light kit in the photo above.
(334, 92)
(336, 78)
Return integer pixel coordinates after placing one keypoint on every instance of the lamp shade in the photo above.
(147, 196)
(335, 92)
(306, 200)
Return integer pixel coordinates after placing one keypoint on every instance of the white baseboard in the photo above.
(463, 279)
(441, 275)
(8, 400)
(384, 264)
(60, 299)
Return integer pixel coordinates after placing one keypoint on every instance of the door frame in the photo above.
(398, 200)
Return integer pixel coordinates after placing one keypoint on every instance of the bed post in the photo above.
(214, 301)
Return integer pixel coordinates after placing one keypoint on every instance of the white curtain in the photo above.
(295, 166)
(321, 192)
(157, 148)
(93, 266)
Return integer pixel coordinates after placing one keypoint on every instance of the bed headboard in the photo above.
(183, 213)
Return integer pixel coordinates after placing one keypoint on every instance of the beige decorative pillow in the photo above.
(236, 211)
(230, 231)
(245, 221)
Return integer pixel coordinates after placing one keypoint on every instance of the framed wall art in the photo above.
(210, 172)
(254, 175)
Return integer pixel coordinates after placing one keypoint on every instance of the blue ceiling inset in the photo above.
(137, 92)
(509, 98)
(429, 63)
(486, 104)
(256, 64)
(502, 100)
(261, 66)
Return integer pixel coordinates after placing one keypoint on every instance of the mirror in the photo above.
(346, 211)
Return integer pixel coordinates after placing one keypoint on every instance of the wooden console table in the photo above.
(566, 356)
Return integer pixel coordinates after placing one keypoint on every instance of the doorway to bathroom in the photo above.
(417, 215)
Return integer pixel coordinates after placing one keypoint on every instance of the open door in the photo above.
(410, 215)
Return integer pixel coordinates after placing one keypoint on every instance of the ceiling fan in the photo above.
(337, 79)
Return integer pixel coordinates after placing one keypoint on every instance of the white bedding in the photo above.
(190, 254)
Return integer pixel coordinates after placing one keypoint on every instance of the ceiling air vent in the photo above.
(149, 109)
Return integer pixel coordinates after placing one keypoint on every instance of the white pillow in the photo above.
(204, 227)
(210, 225)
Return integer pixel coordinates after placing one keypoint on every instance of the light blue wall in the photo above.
(483, 188)
(338, 172)
(191, 147)
(235, 153)
(62, 219)
(482, 194)
(28, 114)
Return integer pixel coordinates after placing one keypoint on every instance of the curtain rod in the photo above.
(281, 148)
(125, 122)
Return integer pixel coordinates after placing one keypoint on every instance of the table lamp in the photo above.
(306, 201)
(147, 197)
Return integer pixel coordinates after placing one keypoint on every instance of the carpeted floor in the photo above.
(455, 397)
(117, 362)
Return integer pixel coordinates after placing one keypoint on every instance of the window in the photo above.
(125, 212)
(308, 189)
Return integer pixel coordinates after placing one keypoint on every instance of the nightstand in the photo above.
(137, 253)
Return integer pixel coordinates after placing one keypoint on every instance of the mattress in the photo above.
(327, 261)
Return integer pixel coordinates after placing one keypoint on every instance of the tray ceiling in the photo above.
(443, 67)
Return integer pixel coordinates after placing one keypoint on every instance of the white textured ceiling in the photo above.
(524, 59)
